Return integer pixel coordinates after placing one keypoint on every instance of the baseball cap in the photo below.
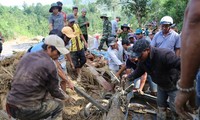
(130, 36)
(111, 41)
(71, 18)
(139, 47)
(56, 41)
(125, 42)
(68, 32)
(138, 31)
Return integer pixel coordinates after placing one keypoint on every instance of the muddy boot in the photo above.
(162, 113)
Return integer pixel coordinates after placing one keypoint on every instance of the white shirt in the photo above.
(115, 57)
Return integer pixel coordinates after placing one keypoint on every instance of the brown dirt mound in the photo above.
(8, 66)
(7, 69)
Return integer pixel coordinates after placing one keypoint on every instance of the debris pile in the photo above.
(7, 69)
(90, 86)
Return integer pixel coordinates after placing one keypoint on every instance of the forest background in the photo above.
(32, 20)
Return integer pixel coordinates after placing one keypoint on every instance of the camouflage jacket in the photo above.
(107, 27)
(123, 35)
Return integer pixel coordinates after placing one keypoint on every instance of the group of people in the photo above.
(137, 56)
(46, 61)
(155, 60)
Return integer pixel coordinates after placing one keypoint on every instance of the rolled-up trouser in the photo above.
(103, 39)
(78, 58)
(49, 108)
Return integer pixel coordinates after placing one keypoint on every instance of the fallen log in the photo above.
(106, 85)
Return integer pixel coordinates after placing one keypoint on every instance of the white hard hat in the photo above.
(166, 20)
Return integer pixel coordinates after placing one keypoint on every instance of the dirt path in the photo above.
(19, 44)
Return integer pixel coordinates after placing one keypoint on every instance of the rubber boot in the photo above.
(162, 113)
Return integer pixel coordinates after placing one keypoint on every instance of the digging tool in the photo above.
(115, 78)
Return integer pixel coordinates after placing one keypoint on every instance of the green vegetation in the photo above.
(33, 20)
(29, 21)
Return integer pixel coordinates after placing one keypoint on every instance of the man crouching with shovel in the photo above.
(36, 76)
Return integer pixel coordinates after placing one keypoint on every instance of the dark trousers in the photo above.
(49, 108)
(86, 39)
(1, 47)
(78, 58)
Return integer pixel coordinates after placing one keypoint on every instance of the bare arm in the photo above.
(50, 26)
(85, 43)
(64, 78)
(190, 44)
(82, 38)
(143, 80)
(190, 59)
(178, 52)
(70, 60)
(123, 67)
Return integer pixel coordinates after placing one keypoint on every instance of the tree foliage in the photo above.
(29, 21)
(150, 10)
(176, 10)
(33, 20)
(139, 8)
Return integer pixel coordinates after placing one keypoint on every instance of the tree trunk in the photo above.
(139, 18)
